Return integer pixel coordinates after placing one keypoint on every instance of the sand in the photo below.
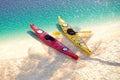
(30, 59)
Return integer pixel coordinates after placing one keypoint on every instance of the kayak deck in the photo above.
(73, 36)
(52, 42)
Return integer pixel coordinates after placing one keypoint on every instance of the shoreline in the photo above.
(76, 26)
(111, 32)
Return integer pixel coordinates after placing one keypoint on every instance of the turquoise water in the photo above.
(16, 15)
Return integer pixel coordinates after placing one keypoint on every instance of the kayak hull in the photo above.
(44, 37)
(75, 38)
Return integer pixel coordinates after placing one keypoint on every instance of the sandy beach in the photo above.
(30, 59)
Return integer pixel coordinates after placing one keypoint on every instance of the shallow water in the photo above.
(15, 15)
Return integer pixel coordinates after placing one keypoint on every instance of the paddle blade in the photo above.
(56, 33)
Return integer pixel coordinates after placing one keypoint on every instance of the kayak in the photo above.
(52, 42)
(73, 36)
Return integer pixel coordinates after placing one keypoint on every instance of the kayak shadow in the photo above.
(59, 28)
(33, 35)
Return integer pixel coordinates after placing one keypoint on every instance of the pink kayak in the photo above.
(52, 42)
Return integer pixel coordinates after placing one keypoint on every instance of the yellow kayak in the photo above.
(73, 36)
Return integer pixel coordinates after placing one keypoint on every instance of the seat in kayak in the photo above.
(71, 31)
(48, 37)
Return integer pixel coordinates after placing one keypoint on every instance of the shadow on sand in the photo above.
(32, 34)
(45, 68)
(102, 61)
(94, 50)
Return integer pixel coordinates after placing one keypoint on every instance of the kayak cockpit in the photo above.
(48, 37)
(64, 49)
(71, 31)
(64, 25)
(40, 31)
(81, 43)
